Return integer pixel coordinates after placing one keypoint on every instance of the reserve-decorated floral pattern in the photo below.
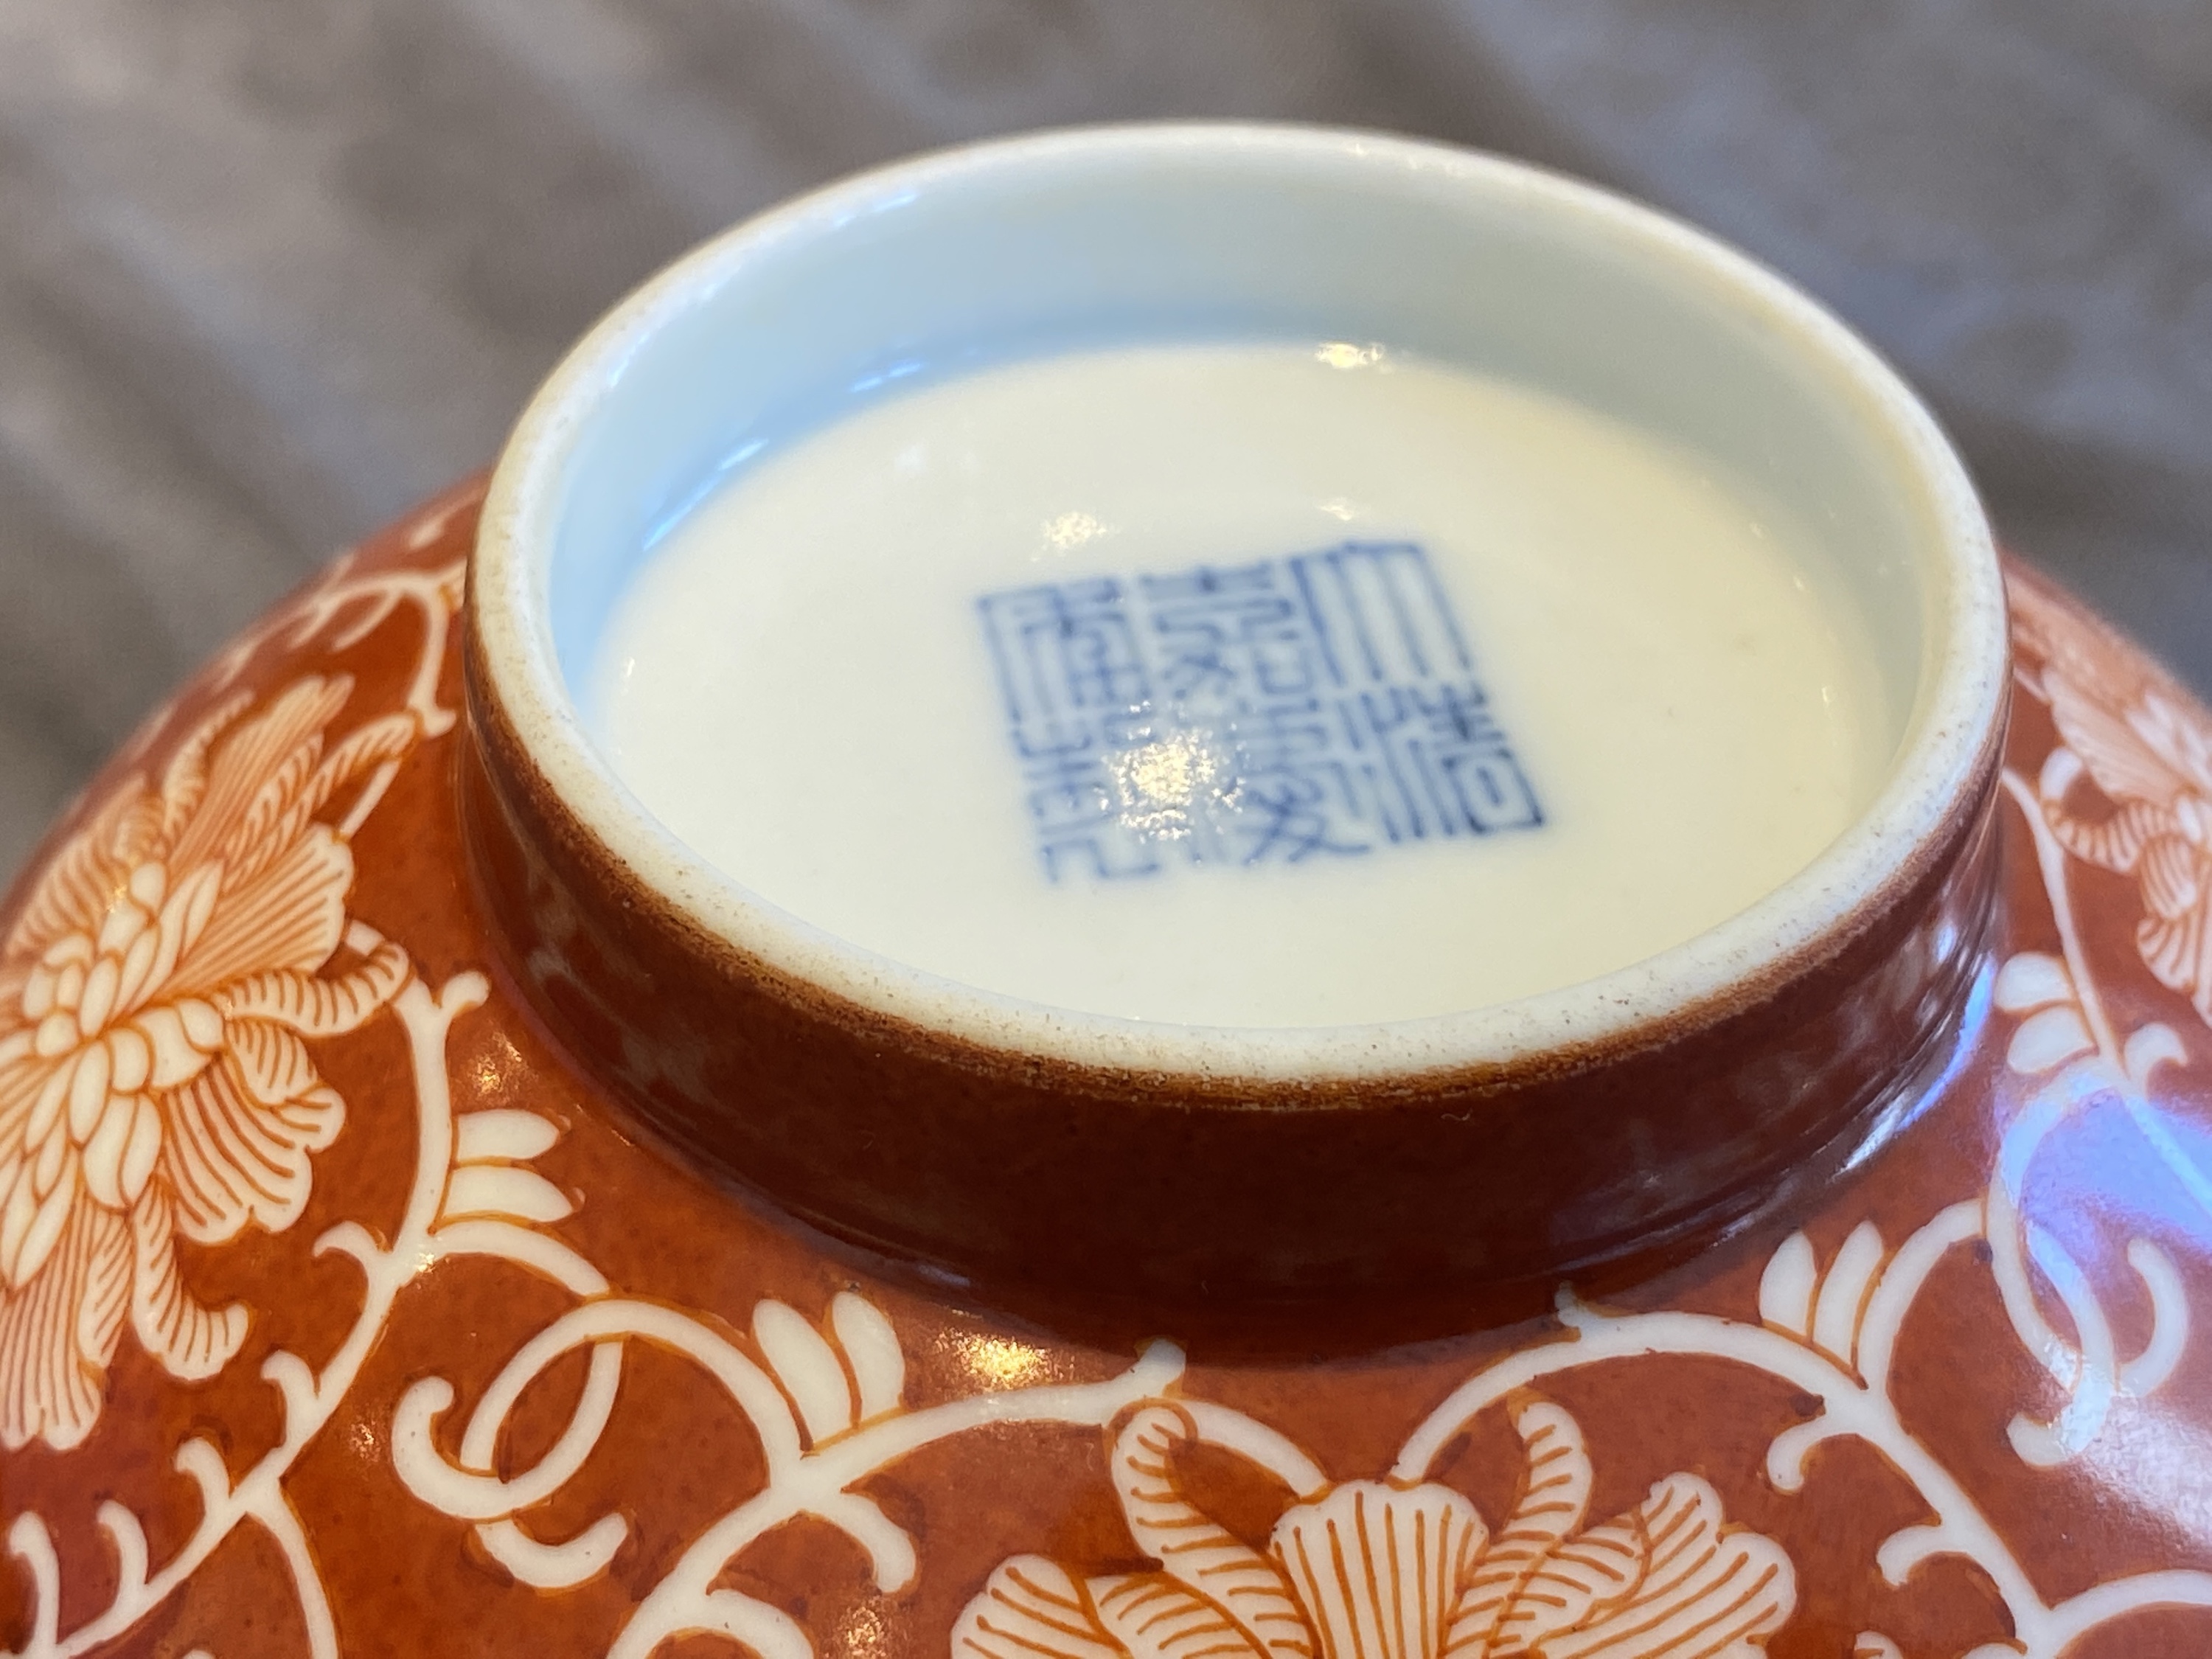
(154, 1084)
(1372, 1570)
(165, 983)
(2130, 737)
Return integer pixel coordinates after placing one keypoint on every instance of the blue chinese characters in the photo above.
(1313, 707)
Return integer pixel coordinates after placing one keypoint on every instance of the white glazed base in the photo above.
(875, 678)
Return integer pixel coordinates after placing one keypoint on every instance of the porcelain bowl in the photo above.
(431, 1221)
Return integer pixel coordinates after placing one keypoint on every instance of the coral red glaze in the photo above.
(395, 1260)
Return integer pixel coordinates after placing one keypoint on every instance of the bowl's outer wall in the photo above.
(453, 1268)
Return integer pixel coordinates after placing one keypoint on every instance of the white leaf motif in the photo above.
(1844, 1293)
(1363, 1557)
(871, 1349)
(1031, 1609)
(1191, 1545)
(1554, 1494)
(1785, 1289)
(1152, 1616)
(2154, 1045)
(2048, 1039)
(2030, 980)
(504, 1134)
(1669, 1578)
(807, 1366)
(505, 1190)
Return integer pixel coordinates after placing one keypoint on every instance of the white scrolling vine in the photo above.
(1830, 1328)
(826, 1395)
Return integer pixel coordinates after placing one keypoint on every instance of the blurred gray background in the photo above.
(272, 270)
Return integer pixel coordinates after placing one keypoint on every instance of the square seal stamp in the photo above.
(1323, 705)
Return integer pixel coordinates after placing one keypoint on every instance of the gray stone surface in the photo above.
(271, 270)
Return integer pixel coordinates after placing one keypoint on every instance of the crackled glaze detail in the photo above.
(217, 883)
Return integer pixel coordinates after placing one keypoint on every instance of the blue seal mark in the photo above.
(1316, 707)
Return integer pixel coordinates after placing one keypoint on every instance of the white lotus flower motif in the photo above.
(1369, 1571)
(154, 991)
